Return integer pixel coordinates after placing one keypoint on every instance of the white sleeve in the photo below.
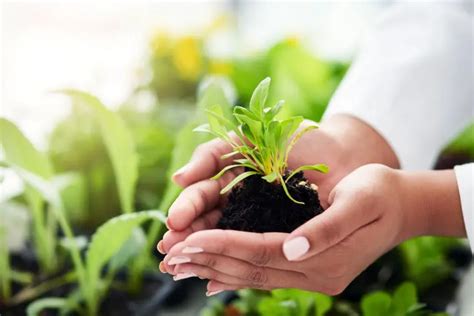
(465, 180)
(412, 80)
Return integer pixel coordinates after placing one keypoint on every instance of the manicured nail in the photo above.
(161, 266)
(211, 293)
(159, 247)
(184, 275)
(295, 248)
(181, 170)
(179, 260)
(190, 249)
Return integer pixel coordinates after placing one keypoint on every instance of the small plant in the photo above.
(262, 144)
(270, 139)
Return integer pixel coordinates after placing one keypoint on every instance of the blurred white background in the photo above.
(100, 46)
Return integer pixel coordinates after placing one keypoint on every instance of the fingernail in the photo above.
(191, 249)
(161, 266)
(179, 260)
(211, 293)
(159, 247)
(295, 248)
(184, 275)
(181, 170)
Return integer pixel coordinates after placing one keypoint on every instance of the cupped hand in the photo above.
(366, 218)
(342, 142)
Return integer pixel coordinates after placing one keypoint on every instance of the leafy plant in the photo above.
(270, 139)
(404, 301)
(281, 302)
(19, 151)
(119, 143)
(88, 271)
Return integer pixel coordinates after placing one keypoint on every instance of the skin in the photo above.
(365, 215)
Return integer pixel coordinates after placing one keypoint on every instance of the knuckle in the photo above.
(210, 262)
(257, 277)
(329, 232)
(261, 257)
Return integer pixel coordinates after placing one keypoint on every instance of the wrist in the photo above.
(431, 204)
(360, 144)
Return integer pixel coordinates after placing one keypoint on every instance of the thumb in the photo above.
(335, 224)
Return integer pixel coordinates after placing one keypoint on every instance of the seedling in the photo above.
(263, 141)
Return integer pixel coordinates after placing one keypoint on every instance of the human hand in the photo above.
(371, 210)
(342, 142)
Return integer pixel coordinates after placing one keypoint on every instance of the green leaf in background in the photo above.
(109, 239)
(376, 304)
(425, 260)
(19, 151)
(120, 146)
(404, 298)
(36, 308)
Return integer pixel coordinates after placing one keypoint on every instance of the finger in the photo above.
(250, 275)
(205, 162)
(207, 221)
(214, 287)
(327, 229)
(254, 248)
(195, 200)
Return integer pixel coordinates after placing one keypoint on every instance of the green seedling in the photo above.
(262, 142)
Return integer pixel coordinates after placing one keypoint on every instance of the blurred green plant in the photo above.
(20, 152)
(403, 302)
(119, 143)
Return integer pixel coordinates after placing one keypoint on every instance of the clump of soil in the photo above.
(254, 205)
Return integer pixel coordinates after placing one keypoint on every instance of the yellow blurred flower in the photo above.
(187, 57)
(220, 67)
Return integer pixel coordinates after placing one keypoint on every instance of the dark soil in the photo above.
(254, 205)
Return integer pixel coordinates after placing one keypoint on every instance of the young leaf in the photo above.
(283, 184)
(271, 177)
(318, 167)
(237, 179)
(259, 97)
(120, 146)
(271, 113)
(224, 170)
(110, 237)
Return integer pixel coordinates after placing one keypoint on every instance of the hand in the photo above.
(371, 210)
(342, 142)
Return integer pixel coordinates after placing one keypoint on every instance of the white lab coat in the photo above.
(412, 81)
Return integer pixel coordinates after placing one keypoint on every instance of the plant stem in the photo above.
(29, 293)
(5, 269)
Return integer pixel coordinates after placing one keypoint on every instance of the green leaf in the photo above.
(404, 298)
(376, 304)
(285, 188)
(271, 113)
(318, 167)
(323, 303)
(203, 128)
(271, 177)
(120, 146)
(19, 151)
(224, 170)
(237, 179)
(131, 248)
(109, 239)
(259, 97)
(35, 308)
